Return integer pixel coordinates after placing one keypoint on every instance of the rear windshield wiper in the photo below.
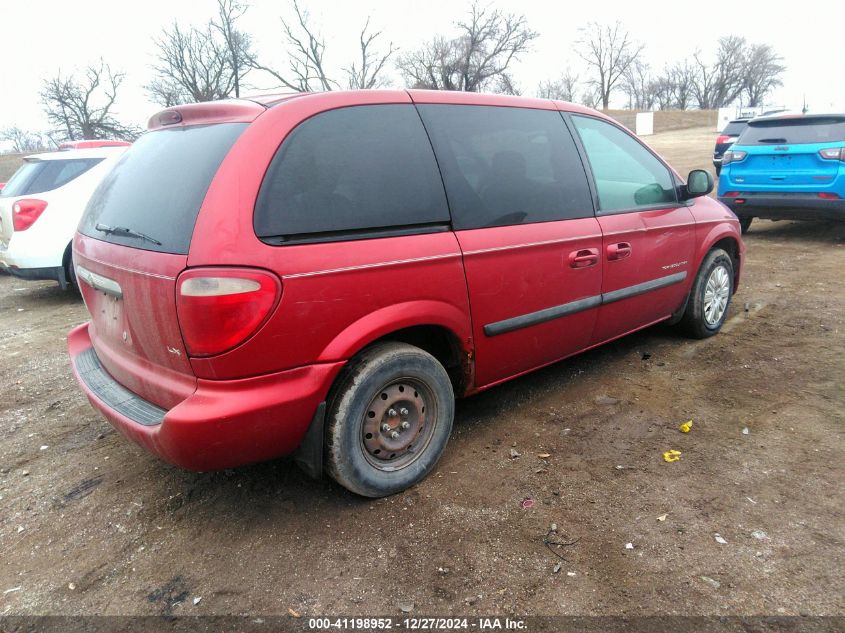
(772, 140)
(122, 230)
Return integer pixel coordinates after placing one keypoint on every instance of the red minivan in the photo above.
(323, 274)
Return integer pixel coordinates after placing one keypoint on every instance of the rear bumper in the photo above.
(53, 273)
(18, 260)
(223, 424)
(786, 206)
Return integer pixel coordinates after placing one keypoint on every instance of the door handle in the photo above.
(620, 250)
(584, 258)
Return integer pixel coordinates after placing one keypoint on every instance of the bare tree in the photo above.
(591, 97)
(763, 68)
(306, 48)
(238, 43)
(720, 83)
(563, 89)
(479, 58)
(193, 66)
(22, 140)
(83, 108)
(369, 74)
(640, 86)
(681, 78)
(609, 51)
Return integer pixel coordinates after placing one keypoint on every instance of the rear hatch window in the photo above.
(794, 131)
(38, 176)
(735, 128)
(152, 197)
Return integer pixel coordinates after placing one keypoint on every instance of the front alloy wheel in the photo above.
(710, 296)
(717, 293)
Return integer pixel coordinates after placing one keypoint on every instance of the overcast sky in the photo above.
(41, 37)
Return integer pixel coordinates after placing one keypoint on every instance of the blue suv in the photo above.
(786, 167)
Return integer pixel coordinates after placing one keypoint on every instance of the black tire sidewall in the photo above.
(377, 367)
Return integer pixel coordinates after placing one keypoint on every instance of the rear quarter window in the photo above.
(360, 169)
(505, 166)
(794, 131)
(158, 186)
(39, 176)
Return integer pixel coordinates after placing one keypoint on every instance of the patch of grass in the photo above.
(9, 164)
(667, 120)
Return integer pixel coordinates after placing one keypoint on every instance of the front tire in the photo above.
(390, 416)
(710, 296)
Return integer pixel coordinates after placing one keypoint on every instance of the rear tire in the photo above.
(745, 224)
(390, 416)
(710, 296)
(70, 271)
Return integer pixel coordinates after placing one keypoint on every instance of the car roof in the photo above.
(765, 120)
(246, 110)
(444, 97)
(72, 154)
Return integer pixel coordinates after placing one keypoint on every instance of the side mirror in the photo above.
(699, 183)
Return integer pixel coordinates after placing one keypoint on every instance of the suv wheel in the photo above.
(745, 223)
(710, 296)
(389, 419)
(70, 271)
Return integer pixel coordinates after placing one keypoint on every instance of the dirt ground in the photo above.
(91, 524)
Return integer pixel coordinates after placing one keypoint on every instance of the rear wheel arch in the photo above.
(443, 344)
(438, 328)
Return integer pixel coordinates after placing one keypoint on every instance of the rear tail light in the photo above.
(724, 138)
(828, 196)
(25, 212)
(220, 308)
(732, 194)
(733, 156)
(834, 153)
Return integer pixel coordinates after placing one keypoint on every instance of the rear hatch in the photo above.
(37, 176)
(785, 154)
(132, 244)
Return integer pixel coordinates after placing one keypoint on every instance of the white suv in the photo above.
(40, 207)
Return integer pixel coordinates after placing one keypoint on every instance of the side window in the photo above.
(352, 169)
(627, 175)
(507, 165)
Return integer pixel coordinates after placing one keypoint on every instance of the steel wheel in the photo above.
(717, 292)
(398, 424)
(388, 420)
